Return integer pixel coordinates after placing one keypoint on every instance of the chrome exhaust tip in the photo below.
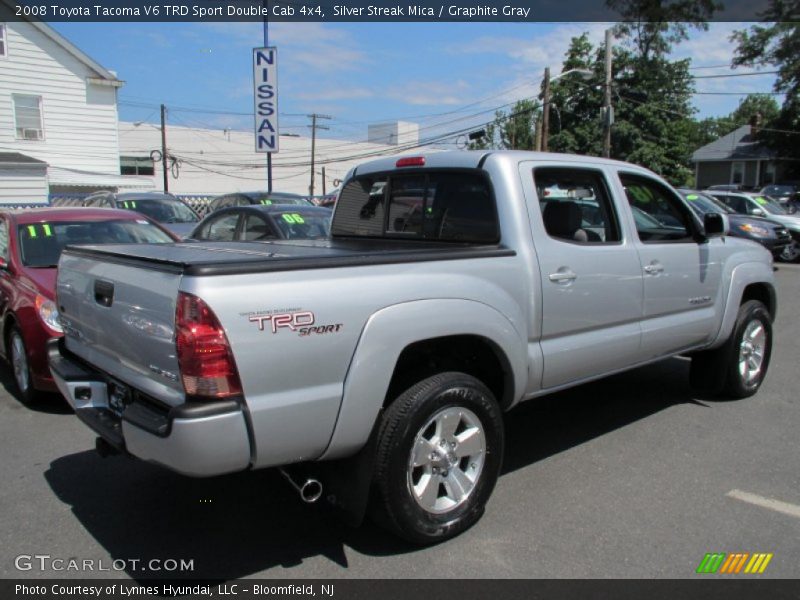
(310, 490)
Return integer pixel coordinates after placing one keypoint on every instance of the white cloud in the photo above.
(311, 46)
(430, 93)
(341, 93)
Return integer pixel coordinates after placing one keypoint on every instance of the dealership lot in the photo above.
(627, 477)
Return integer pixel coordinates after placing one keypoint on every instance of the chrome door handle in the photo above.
(653, 268)
(561, 276)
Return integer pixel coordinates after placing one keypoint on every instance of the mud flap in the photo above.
(347, 481)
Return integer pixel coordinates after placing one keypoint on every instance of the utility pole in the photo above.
(323, 181)
(537, 135)
(546, 109)
(314, 126)
(608, 114)
(164, 147)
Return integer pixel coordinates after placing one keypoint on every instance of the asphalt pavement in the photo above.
(631, 476)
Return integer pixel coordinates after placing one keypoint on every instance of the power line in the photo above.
(722, 75)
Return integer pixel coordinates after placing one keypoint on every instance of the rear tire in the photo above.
(440, 449)
(738, 367)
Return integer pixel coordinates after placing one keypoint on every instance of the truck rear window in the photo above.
(446, 206)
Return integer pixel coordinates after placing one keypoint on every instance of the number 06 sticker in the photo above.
(293, 218)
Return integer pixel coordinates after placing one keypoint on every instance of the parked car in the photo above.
(264, 222)
(729, 187)
(377, 366)
(166, 209)
(249, 198)
(786, 194)
(31, 242)
(770, 234)
(761, 206)
(326, 200)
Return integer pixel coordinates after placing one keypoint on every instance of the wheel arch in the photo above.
(9, 321)
(747, 281)
(398, 343)
(762, 292)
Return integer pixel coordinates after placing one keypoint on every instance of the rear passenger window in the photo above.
(256, 228)
(221, 229)
(575, 205)
(451, 206)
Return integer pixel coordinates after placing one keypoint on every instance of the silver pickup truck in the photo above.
(376, 365)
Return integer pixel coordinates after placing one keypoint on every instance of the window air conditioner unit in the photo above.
(31, 134)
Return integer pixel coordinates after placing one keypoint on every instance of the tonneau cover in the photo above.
(224, 258)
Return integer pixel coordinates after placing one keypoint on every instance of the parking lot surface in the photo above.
(631, 476)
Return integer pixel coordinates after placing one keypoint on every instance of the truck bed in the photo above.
(229, 258)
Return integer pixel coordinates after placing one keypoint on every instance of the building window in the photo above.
(28, 117)
(737, 172)
(3, 41)
(136, 165)
(769, 173)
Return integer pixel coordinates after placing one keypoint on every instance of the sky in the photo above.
(443, 76)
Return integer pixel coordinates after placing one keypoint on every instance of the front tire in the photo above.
(440, 449)
(791, 252)
(18, 357)
(738, 367)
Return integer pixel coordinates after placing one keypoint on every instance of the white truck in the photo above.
(375, 366)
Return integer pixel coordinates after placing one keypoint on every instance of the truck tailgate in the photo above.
(121, 319)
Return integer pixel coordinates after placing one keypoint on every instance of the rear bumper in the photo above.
(196, 439)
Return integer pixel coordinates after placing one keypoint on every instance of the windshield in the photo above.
(778, 190)
(770, 206)
(703, 204)
(163, 210)
(297, 225)
(40, 244)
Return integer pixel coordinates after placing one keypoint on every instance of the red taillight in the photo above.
(411, 161)
(204, 354)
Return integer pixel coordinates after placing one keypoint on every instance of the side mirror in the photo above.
(757, 212)
(713, 225)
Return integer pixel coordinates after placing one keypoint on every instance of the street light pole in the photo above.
(546, 110)
(585, 73)
(164, 147)
(608, 115)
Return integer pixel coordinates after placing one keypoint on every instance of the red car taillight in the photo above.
(204, 354)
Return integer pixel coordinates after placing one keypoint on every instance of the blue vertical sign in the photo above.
(265, 92)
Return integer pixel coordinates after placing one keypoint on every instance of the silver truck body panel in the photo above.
(294, 384)
(133, 339)
(188, 449)
(316, 347)
(389, 331)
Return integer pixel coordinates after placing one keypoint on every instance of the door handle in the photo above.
(562, 276)
(654, 268)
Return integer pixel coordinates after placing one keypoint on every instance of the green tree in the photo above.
(651, 95)
(777, 43)
(711, 128)
(512, 130)
(654, 26)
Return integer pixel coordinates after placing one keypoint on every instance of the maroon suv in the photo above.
(30, 245)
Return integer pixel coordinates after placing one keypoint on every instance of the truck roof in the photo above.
(472, 159)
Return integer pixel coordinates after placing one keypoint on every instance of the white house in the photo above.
(58, 106)
(207, 162)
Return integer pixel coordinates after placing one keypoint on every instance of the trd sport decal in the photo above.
(301, 322)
